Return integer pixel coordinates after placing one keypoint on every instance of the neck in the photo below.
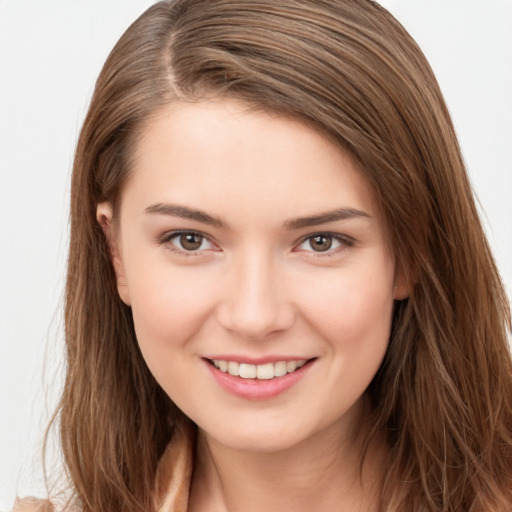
(323, 473)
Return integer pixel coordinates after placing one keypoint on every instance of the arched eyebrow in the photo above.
(185, 212)
(323, 218)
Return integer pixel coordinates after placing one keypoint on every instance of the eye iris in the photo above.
(320, 243)
(191, 241)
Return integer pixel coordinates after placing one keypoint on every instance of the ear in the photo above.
(104, 216)
(401, 285)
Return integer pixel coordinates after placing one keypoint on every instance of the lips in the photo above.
(262, 381)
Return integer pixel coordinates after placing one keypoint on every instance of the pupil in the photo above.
(191, 242)
(321, 243)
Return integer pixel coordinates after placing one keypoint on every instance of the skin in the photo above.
(258, 286)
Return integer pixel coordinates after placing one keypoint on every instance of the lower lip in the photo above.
(258, 389)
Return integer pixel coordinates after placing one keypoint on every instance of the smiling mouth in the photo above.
(265, 371)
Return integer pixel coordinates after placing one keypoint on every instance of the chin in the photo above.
(267, 434)
(257, 440)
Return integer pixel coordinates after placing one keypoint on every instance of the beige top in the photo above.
(172, 481)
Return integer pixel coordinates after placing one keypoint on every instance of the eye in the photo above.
(324, 243)
(187, 241)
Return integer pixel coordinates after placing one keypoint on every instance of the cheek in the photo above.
(352, 315)
(169, 308)
(168, 305)
(352, 309)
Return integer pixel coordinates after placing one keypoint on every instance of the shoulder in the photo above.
(32, 505)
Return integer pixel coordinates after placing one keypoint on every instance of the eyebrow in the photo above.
(186, 213)
(323, 218)
(301, 222)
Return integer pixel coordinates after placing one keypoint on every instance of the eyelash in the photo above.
(167, 239)
(343, 240)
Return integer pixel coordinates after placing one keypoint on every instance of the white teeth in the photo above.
(291, 366)
(233, 368)
(260, 371)
(265, 371)
(280, 369)
(247, 371)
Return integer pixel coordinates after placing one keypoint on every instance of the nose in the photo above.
(255, 302)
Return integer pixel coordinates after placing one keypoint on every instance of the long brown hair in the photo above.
(443, 396)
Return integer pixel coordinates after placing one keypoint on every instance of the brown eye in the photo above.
(190, 241)
(187, 243)
(328, 243)
(320, 243)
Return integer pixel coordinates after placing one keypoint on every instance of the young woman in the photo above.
(279, 293)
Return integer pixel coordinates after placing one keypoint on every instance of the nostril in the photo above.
(256, 321)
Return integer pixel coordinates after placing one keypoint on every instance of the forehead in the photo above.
(219, 150)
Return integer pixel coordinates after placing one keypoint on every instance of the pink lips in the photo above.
(256, 389)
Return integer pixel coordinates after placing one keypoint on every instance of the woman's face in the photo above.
(256, 266)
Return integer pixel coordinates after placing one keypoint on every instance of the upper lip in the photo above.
(256, 360)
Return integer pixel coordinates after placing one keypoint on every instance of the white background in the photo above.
(50, 54)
